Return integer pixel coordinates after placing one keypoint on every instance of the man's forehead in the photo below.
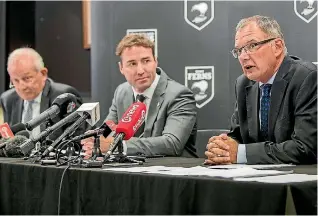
(248, 33)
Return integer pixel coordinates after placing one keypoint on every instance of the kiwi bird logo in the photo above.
(200, 79)
(198, 14)
(306, 9)
(200, 88)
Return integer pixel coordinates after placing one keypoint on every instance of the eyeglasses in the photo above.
(248, 48)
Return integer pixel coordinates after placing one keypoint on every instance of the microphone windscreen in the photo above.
(23, 133)
(132, 119)
(17, 127)
(12, 147)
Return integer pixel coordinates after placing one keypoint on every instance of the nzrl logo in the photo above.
(127, 117)
(198, 14)
(200, 79)
(140, 121)
(306, 9)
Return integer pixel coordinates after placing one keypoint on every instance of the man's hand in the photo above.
(88, 145)
(221, 150)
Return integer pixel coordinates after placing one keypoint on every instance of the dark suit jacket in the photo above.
(292, 116)
(12, 104)
(170, 128)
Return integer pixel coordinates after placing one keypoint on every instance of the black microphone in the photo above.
(102, 130)
(18, 127)
(89, 112)
(28, 145)
(59, 105)
(12, 147)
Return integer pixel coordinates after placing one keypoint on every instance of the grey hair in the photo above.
(267, 24)
(25, 54)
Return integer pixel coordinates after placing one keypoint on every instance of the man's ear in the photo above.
(279, 47)
(120, 66)
(44, 71)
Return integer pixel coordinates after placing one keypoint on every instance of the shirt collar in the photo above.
(149, 91)
(270, 81)
(36, 100)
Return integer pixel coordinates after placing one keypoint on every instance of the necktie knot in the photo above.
(266, 89)
(140, 98)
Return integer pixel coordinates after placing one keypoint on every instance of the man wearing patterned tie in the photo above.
(275, 118)
(33, 92)
(170, 125)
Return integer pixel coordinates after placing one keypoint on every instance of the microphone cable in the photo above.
(60, 190)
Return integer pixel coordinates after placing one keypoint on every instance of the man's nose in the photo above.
(140, 69)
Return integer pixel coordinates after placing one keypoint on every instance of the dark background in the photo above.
(55, 30)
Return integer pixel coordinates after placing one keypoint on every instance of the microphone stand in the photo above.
(120, 157)
(96, 152)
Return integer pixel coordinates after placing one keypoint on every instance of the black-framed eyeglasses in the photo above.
(248, 48)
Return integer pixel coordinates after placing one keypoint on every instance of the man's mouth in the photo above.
(247, 67)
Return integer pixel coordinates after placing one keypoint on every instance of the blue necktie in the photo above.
(265, 104)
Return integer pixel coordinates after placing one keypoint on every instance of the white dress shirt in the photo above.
(35, 112)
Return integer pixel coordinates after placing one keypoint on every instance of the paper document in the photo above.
(282, 178)
(255, 166)
(201, 171)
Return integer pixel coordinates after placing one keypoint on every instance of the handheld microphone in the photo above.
(132, 119)
(59, 105)
(86, 111)
(29, 144)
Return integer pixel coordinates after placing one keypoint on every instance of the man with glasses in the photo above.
(33, 92)
(275, 118)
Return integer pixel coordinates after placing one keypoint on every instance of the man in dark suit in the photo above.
(170, 126)
(33, 91)
(275, 118)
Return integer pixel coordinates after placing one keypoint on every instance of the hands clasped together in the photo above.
(221, 149)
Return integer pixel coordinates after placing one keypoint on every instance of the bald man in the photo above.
(33, 91)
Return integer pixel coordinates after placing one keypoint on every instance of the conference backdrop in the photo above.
(193, 39)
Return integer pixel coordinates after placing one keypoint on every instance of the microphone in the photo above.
(12, 145)
(89, 112)
(102, 130)
(132, 119)
(6, 131)
(28, 145)
(18, 127)
(59, 105)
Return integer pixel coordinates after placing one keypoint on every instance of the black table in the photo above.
(28, 188)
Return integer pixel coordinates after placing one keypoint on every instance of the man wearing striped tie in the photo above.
(275, 118)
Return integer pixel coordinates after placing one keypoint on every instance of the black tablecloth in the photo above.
(28, 188)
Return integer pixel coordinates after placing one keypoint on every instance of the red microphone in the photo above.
(6, 131)
(132, 119)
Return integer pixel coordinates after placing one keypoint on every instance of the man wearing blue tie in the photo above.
(275, 118)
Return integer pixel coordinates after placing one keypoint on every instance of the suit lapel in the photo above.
(155, 104)
(127, 100)
(45, 100)
(252, 99)
(17, 111)
(277, 94)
